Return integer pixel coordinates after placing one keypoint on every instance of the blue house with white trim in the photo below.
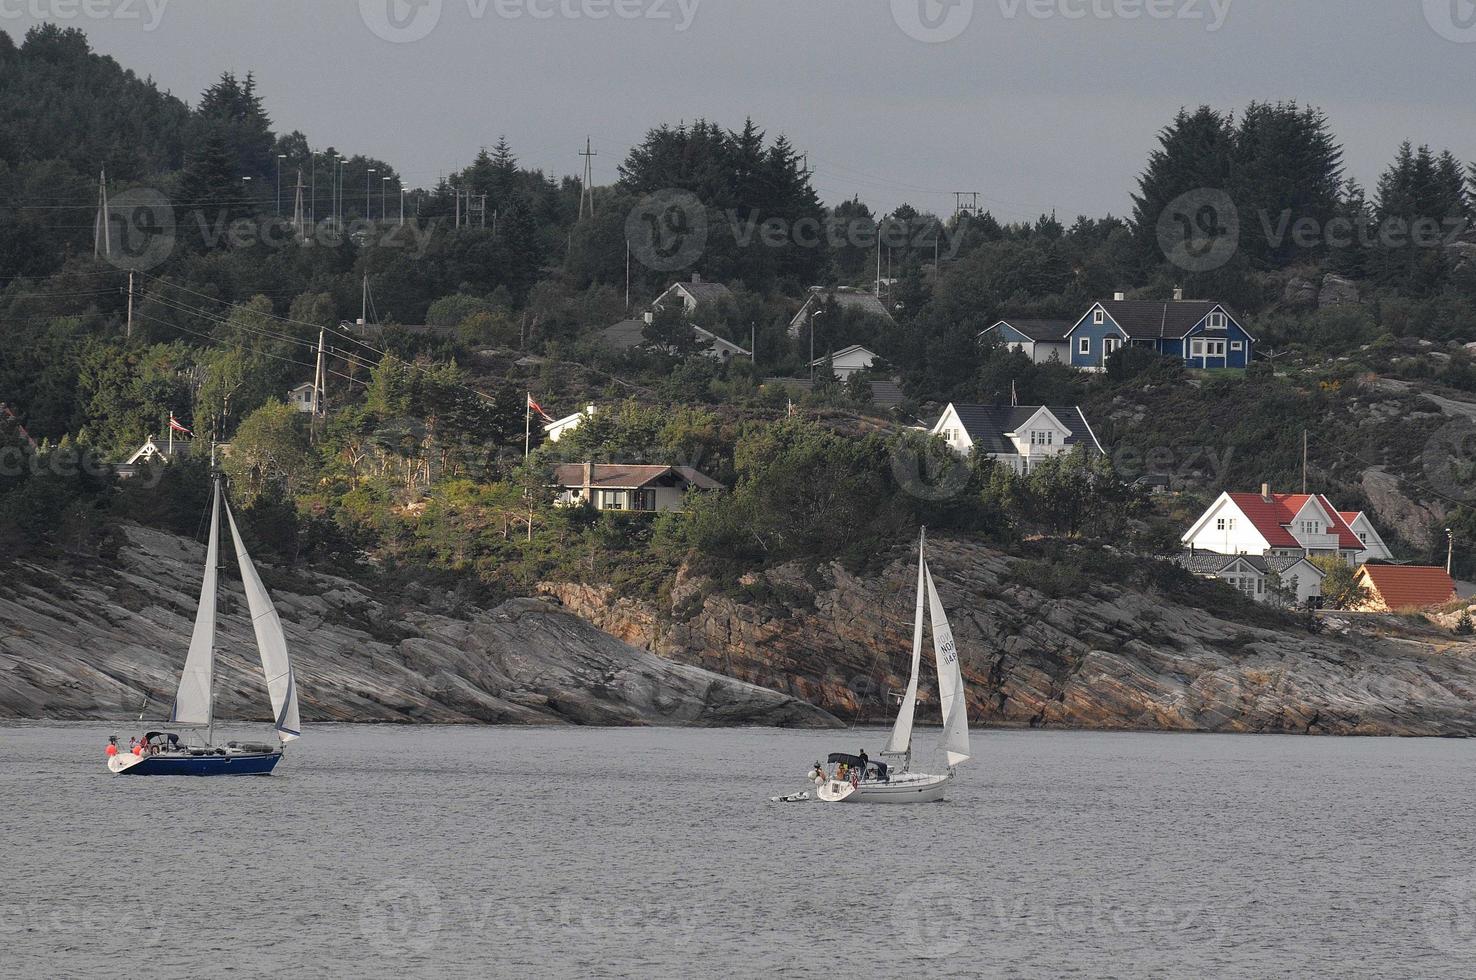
(1203, 334)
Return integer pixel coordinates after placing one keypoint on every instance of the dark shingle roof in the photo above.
(615, 476)
(987, 425)
(1173, 319)
(1042, 331)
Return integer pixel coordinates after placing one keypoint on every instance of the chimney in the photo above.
(1178, 294)
(696, 278)
(588, 481)
(649, 316)
(1266, 492)
(1118, 297)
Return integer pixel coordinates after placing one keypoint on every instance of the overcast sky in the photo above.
(1038, 105)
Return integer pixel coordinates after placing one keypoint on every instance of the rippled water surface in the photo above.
(574, 853)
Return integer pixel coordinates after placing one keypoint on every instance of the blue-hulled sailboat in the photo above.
(166, 752)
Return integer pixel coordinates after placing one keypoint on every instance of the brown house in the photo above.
(613, 486)
(1398, 588)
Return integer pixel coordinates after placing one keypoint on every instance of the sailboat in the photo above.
(163, 753)
(855, 779)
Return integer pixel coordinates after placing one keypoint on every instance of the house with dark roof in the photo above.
(621, 487)
(1266, 523)
(692, 295)
(1258, 576)
(844, 363)
(1043, 341)
(631, 333)
(844, 297)
(1404, 588)
(1020, 436)
(1202, 333)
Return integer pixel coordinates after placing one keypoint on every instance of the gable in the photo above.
(1087, 320)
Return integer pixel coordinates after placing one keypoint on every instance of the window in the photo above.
(1220, 524)
(1237, 345)
(1311, 527)
(1248, 586)
(1199, 347)
(612, 500)
(1217, 321)
(1099, 317)
(1084, 345)
(1362, 536)
(1038, 438)
(644, 500)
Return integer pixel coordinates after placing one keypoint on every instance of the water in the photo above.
(401, 852)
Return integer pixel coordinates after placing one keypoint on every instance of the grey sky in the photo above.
(1038, 104)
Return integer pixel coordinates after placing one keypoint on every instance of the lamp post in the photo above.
(383, 189)
(368, 202)
(813, 317)
(280, 158)
(1449, 551)
(402, 205)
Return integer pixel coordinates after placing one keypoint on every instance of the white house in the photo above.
(152, 452)
(848, 362)
(1255, 575)
(692, 295)
(555, 431)
(618, 487)
(846, 298)
(1284, 524)
(1043, 341)
(1018, 435)
(1374, 548)
(303, 397)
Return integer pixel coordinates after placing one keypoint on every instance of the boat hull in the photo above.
(905, 788)
(186, 764)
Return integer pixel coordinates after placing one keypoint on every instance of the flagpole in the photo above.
(528, 425)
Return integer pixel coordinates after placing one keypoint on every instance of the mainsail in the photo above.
(901, 741)
(194, 702)
(951, 697)
(270, 640)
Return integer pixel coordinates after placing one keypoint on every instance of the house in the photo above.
(1267, 523)
(1202, 333)
(1255, 575)
(692, 295)
(555, 431)
(845, 363)
(152, 452)
(1374, 548)
(885, 392)
(1020, 436)
(1404, 588)
(304, 397)
(618, 487)
(1043, 341)
(846, 298)
(631, 334)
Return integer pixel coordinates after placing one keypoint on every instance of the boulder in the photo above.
(1300, 292)
(1337, 291)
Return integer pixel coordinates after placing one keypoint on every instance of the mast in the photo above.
(218, 479)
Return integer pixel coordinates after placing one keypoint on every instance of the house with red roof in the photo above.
(1404, 588)
(1276, 524)
(1374, 548)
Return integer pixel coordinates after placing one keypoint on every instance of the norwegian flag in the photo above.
(174, 426)
(535, 407)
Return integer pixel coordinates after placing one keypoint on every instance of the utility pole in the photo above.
(627, 275)
(1449, 552)
(320, 382)
(368, 201)
(280, 158)
(402, 205)
(383, 190)
(130, 304)
(299, 218)
(586, 190)
(813, 317)
(1304, 462)
(364, 302)
(102, 231)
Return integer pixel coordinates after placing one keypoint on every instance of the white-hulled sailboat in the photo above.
(163, 753)
(855, 779)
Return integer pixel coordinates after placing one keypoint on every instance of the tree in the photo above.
(271, 450)
(1340, 590)
(1464, 626)
(1195, 153)
(670, 332)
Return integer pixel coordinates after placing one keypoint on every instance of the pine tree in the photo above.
(1194, 154)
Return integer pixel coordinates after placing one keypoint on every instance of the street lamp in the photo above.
(280, 158)
(402, 205)
(1449, 551)
(383, 189)
(368, 205)
(813, 317)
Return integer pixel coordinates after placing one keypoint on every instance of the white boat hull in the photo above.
(909, 787)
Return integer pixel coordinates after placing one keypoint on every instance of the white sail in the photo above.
(194, 702)
(901, 741)
(954, 704)
(270, 641)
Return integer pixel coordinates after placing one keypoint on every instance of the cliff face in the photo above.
(92, 642)
(1113, 658)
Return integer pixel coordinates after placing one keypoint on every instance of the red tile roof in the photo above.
(1408, 586)
(1273, 518)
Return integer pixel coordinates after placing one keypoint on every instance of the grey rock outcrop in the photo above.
(92, 642)
(1337, 291)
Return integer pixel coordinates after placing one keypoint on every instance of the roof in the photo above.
(619, 476)
(885, 393)
(1172, 319)
(1040, 331)
(629, 334)
(1272, 518)
(858, 300)
(987, 425)
(835, 355)
(1409, 586)
(1213, 563)
(702, 292)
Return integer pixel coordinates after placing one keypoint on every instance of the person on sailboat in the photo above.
(864, 762)
(112, 746)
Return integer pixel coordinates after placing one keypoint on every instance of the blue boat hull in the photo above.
(205, 765)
